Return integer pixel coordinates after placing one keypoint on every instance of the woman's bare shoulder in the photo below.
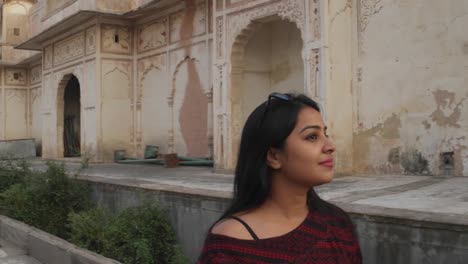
(231, 228)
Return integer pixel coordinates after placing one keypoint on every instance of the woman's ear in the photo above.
(273, 159)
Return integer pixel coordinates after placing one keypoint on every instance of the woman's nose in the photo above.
(329, 147)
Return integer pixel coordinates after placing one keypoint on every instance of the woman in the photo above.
(275, 215)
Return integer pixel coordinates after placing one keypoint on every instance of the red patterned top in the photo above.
(325, 237)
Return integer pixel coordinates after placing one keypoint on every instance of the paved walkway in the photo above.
(427, 198)
(10, 254)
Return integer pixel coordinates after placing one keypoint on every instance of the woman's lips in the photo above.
(327, 163)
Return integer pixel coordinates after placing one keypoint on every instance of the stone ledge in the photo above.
(45, 247)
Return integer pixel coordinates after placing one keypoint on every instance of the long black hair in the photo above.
(267, 127)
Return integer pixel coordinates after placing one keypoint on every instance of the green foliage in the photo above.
(12, 172)
(137, 235)
(61, 205)
(45, 199)
(87, 228)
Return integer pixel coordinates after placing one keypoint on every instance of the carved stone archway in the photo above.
(60, 112)
(232, 32)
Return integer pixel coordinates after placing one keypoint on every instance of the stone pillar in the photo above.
(170, 145)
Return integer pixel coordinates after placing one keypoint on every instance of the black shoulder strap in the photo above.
(252, 233)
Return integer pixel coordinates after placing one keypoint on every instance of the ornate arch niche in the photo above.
(232, 33)
(263, 61)
(175, 101)
(146, 67)
(60, 99)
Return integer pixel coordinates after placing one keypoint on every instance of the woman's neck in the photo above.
(287, 198)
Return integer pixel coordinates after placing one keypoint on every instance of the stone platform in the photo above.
(399, 218)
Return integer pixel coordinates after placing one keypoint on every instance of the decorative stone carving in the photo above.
(90, 40)
(209, 96)
(152, 35)
(123, 66)
(170, 101)
(219, 37)
(367, 9)
(15, 76)
(220, 135)
(48, 57)
(36, 74)
(315, 19)
(139, 139)
(198, 27)
(291, 10)
(219, 82)
(314, 66)
(69, 49)
(35, 95)
(144, 66)
(170, 143)
(116, 39)
(11, 93)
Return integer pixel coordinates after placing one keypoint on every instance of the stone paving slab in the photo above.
(420, 197)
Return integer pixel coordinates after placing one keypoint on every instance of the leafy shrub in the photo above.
(87, 228)
(61, 205)
(12, 172)
(137, 235)
(45, 199)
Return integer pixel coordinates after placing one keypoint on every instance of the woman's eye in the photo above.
(312, 137)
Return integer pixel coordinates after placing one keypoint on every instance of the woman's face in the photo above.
(307, 156)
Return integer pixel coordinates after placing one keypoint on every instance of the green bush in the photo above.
(87, 228)
(137, 235)
(45, 199)
(61, 205)
(12, 172)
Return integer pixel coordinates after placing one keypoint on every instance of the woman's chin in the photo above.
(327, 177)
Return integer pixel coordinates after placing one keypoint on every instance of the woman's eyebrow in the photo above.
(313, 127)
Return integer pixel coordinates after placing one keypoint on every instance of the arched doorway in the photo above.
(266, 57)
(69, 117)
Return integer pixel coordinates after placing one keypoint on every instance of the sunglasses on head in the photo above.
(278, 96)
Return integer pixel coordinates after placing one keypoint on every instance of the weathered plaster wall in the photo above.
(16, 28)
(12, 55)
(114, 6)
(73, 53)
(16, 113)
(411, 76)
(35, 112)
(53, 5)
(154, 83)
(173, 95)
(338, 86)
(15, 98)
(117, 110)
(46, 13)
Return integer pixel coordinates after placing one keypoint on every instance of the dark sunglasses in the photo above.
(278, 96)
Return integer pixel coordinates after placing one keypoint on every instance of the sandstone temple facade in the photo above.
(94, 76)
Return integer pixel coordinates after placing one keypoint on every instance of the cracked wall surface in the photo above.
(412, 80)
